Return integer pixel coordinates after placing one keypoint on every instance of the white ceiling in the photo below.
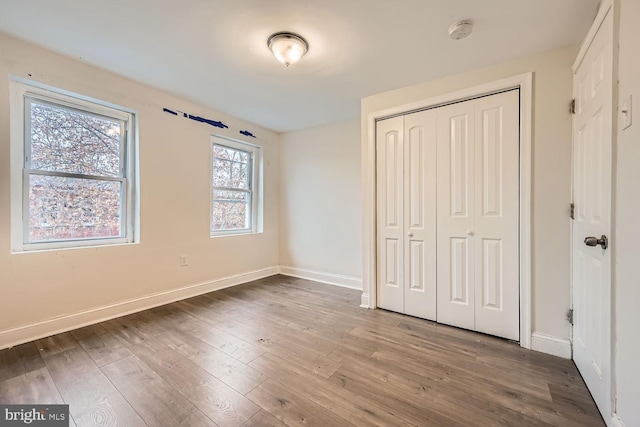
(214, 52)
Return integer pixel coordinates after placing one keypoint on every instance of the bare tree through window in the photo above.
(76, 173)
(231, 189)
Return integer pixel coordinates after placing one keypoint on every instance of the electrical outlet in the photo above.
(183, 261)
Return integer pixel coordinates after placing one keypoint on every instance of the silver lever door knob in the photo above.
(410, 234)
(594, 241)
(470, 233)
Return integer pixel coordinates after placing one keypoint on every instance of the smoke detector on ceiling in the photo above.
(461, 29)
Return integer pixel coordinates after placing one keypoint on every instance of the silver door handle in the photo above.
(410, 234)
(594, 241)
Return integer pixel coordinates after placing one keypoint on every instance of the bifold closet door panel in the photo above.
(420, 214)
(478, 214)
(496, 228)
(455, 214)
(390, 215)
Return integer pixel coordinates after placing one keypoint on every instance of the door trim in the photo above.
(524, 82)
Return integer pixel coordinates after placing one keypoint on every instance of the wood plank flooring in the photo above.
(285, 351)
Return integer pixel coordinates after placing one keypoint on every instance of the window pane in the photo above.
(69, 208)
(230, 168)
(70, 141)
(230, 210)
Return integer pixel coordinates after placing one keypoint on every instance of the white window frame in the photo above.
(254, 191)
(22, 93)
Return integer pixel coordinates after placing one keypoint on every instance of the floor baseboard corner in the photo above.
(364, 301)
(551, 345)
(322, 277)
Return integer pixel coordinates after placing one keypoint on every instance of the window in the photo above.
(234, 181)
(75, 170)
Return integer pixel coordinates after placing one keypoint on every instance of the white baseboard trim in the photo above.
(364, 301)
(551, 345)
(616, 421)
(328, 278)
(34, 331)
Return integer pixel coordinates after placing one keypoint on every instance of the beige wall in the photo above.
(320, 211)
(174, 175)
(627, 234)
(551, 169)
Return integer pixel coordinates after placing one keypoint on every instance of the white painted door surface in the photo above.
(447, 224)
(406, 161)
(390, 215)
(420, 214)
(496, 224)
(455, 205)
(592, 126)
(477, 215)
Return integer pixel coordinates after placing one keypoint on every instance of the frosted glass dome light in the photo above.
(288, 48)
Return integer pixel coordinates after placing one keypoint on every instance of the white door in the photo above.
(497, 212)
(592, 127)
(406, 188)
(455, 200)
(477, 215)
(390, 215)
(420, 214)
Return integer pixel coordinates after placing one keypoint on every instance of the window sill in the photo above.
(234, 234)
(91, 245)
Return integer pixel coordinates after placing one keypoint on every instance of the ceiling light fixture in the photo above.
(288, 48)
(461, 29)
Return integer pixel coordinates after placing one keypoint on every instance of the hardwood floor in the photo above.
(284, 351)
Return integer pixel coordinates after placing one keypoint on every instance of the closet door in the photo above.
(390, 215)
(478, 192)
(406, 188)
(420, 214)
(496, 220)
(455, 207)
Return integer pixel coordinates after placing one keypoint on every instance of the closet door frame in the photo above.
(524, 82)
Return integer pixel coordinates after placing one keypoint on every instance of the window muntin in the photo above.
(76, 171)
(232, 188)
